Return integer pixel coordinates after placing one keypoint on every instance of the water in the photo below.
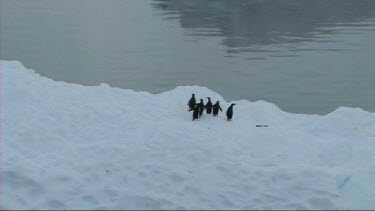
(305, 56)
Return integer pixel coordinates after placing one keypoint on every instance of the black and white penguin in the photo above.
(216, 108)
(191, 102)
(195, 112)
(201, 108)
(208, 106)
(230, 112)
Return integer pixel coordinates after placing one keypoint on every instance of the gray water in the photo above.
(306, 56)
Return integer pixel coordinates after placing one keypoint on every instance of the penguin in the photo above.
(208, 106)
(216, 108)
(191, 102)
(195, 112)
(230, 112)
(201, 108)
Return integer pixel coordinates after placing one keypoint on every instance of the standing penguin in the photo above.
(195, 112)
(230, 112)
(216, 108)
(208, 106)
(191, 102)
(201, 108)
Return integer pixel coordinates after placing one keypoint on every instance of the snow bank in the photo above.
(67, 146)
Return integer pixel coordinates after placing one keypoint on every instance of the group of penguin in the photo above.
(198, 108)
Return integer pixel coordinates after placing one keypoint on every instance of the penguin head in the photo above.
(193, 95)
(232, 104)
(201, 100)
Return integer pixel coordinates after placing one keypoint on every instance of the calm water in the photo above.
(305, 56)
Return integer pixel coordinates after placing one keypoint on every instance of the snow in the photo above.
(68, 146)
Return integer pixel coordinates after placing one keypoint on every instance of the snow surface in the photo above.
(67, 146)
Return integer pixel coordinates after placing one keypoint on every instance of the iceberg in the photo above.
(69, 146)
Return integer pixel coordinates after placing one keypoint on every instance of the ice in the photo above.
(68, 146)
